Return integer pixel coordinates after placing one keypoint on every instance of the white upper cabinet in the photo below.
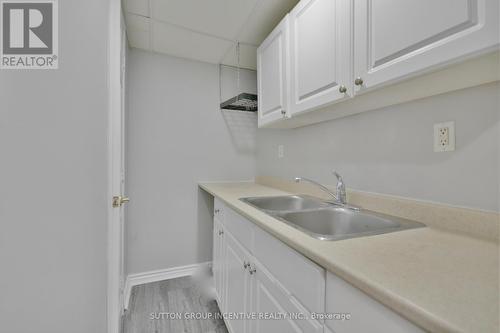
(273, 75)
(320, 53)
(394, 39)
(328, 51)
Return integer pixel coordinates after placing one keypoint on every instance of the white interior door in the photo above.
(123, 81)
(117, 46)
(395, 39)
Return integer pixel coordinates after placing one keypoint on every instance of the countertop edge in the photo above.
(396, 303)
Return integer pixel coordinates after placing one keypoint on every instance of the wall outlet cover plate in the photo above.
(444, 136)
(281, 151)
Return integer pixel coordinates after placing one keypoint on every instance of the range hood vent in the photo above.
(241, 102)
(237, 99)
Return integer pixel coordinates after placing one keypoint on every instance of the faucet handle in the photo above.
(339, 177)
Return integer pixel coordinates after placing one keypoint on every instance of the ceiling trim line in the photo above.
(197, 31)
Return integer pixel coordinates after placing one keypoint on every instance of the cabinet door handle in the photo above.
(342, 89)
(217, 211)
(252, 270)
(246, 264)
(283, 112)
(221, 232)
(358, 81)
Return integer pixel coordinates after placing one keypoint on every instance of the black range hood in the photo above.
(242, 102)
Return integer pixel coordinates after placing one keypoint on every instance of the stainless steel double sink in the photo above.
(328, 221)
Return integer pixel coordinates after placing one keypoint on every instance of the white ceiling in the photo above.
(205, 30)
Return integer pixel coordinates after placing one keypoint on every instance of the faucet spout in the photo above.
(339, 198)
(322, 187)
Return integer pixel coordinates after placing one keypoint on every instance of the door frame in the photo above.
(115, 274)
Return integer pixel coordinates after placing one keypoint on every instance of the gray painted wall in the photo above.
(53, 183)
(391, 150)
(177, 136)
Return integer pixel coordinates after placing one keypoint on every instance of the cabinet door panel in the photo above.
(270, 297)
(273, 74)
(266, 303)
(237, 282)
(218, 262)
(395, 39)
(216, 259)
(320, 39)
(219, 208)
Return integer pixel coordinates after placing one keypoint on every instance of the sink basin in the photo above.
(336, 223)
(328, 221)
(286, 203)
(341, 223)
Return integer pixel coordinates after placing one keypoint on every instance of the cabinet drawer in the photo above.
(303, 279)
(240, 228)
(219, 208)
(367, 315)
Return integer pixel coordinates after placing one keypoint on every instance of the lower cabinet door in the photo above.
(237, 284)
(274, 309)
(366, 314)
(217, 262)
(215, 257)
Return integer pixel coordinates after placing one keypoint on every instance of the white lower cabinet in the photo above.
(270, 297)
(266, 302)
(238, 284)
(265, 286)
(299, 276)
(218, 260)
(366, 314)
(244, 285)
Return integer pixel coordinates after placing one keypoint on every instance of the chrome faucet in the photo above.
(339, 197)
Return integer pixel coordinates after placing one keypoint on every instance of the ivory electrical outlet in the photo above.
(281, 151)
(444, 136)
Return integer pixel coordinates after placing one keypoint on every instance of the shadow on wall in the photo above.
(205, 204)
(242, 128)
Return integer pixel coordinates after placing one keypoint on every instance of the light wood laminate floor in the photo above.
(151, 305)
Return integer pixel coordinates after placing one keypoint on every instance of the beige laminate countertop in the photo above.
(441, 281)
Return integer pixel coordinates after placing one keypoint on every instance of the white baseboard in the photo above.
(158, 275)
